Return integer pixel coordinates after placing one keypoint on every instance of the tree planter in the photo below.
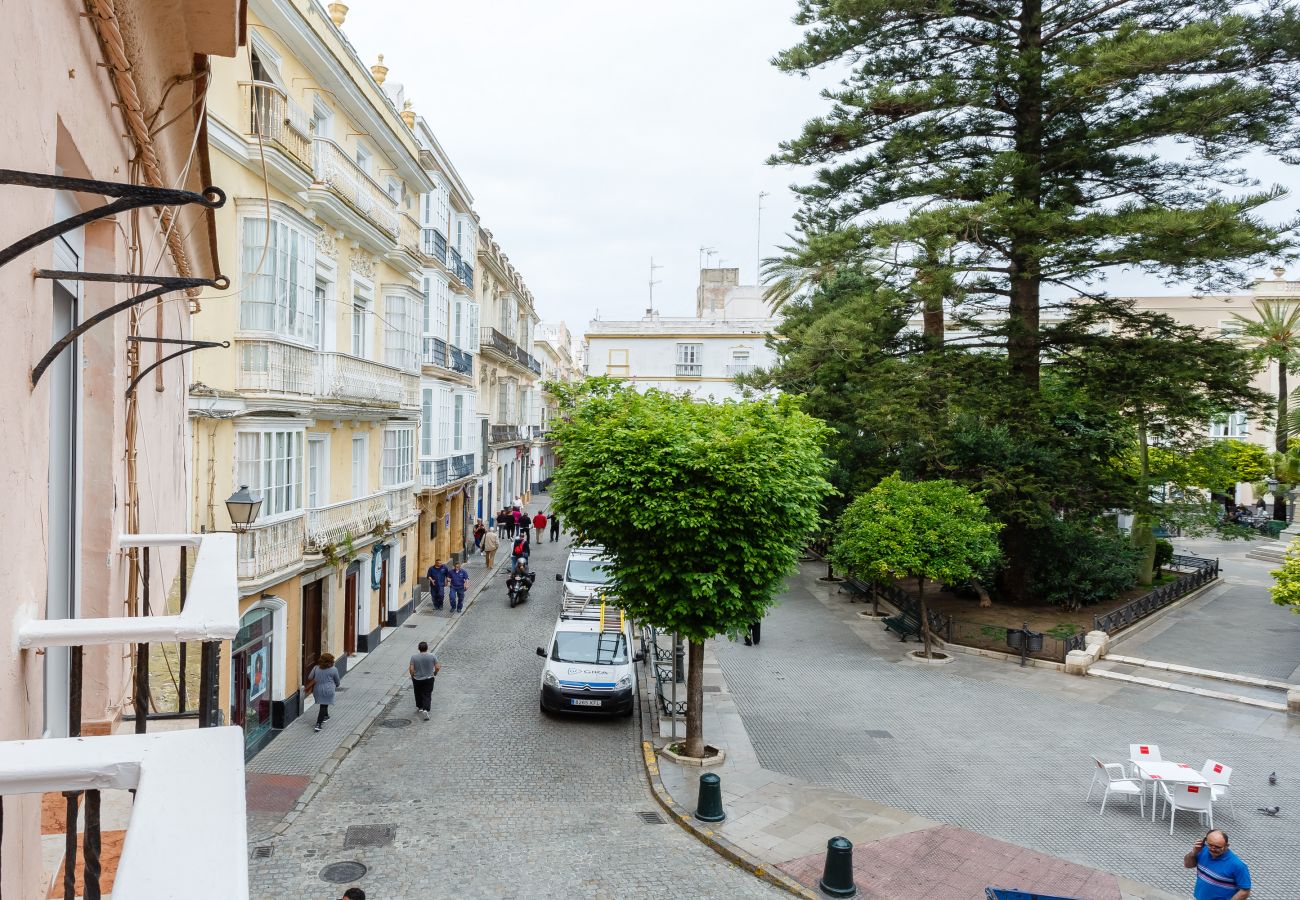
(875, 617)
(938, 658)
(716, 759)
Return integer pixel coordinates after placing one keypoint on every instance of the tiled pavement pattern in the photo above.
(1234, 628)
(490, 798)
(995, 749)
(955, 865)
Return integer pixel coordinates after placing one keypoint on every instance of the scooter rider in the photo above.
(520, 582)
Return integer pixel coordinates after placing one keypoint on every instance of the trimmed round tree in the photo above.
(1286, 580)
(703, 508)
(936, 530)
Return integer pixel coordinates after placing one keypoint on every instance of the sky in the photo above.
(594, 136)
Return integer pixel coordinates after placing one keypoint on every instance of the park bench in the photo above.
(906, 623)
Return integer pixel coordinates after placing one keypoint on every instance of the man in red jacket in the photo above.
(539, 523)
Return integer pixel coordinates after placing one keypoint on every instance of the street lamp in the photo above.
(243, 506)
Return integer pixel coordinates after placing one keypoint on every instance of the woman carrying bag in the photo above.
(322, 681)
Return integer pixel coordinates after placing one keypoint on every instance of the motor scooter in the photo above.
(517, 587)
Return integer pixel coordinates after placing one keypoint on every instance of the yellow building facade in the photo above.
(316, 404)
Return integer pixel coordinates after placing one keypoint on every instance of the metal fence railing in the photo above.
(658, 647)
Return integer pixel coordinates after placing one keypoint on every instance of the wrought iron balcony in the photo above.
(492, 339)
(276, 367)
(351, 518)
(461, 361)
(467, 275)
(435, 351)
(454, 262)
(434, 472)
(740, 369)
(351, 380)
(504, 434)
(340, 173)
(462, 466)
(266, 549)
(435, 245)
(690, 370)
(272, 116)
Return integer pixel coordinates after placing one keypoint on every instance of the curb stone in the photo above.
(709, 838)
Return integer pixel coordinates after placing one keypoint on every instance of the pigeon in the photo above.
(1272, 778)
(1270, 810)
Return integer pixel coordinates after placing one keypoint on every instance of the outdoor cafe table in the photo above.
(1163, 770)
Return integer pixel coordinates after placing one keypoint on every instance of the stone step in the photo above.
(1100, 671)
(1273, 551)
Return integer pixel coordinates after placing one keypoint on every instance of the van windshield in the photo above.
(588, 571)
(588, 647)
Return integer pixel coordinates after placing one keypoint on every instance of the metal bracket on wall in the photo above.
(130, 196)
(165, 284)
(188, 346)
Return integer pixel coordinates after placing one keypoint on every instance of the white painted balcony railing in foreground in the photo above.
(344, 377)
(401, 505)
(335, 169)
(351, 518)
(187, 835)
(270, 114)
(264, 549)
(275, 367)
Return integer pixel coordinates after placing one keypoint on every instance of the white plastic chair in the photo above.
(1218, 775)
(1116, 781)
(1144, 753)
(1192, 797)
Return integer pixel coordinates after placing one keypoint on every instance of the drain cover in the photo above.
(651, 818)
(368, 836)
(412, 625)
(342, 872)
(261, 852)
(877, 733)
(394, 723)
(712, 688)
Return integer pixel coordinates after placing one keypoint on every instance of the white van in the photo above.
(590, 666)
(585, 573)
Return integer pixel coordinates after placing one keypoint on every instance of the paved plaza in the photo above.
(828, 700)
(491, 798)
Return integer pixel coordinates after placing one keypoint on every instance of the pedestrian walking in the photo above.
(458, 579)
(555, 526)
(490, 545)
(322, 681)
(539, 524)
(424, 668)
(479, 531)
(504, 524)
(437, 576)
(517, 548)
(755, 630)
(1220, 873)
(515, 515)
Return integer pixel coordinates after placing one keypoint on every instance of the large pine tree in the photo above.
(1042, 143)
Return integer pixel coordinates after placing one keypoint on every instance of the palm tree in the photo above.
(1274, 335)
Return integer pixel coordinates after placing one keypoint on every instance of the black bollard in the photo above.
(837, 877)
(679, 653)
(709, 807)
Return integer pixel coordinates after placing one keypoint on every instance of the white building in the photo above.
(702, 354)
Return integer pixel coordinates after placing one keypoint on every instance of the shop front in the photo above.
(252, 670)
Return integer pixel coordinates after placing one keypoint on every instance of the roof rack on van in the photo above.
(594, 609)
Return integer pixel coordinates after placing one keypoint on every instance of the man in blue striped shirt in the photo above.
(1220, 873)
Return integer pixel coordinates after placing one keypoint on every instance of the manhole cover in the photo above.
(412, 625)
(368, 836)
(262, 852)
(877, 733)
(651, 818)
(394, 723)
(342, 872)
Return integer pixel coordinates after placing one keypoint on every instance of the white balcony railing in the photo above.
(274, 367)
(401, 504)
(690, 370)
(336, 170)
(736, 369)
(408, 237)
(272, 116)
(347, 378)
(351, 518)
(265, 549)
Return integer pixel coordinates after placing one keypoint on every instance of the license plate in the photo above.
(577, 702)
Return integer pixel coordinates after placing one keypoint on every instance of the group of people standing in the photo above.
(513, 522)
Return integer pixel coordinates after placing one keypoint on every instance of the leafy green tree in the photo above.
(1286, 581)
(1028, 139)
(703, 507)
(1273, 334)
(936, 530)
(1079, 562)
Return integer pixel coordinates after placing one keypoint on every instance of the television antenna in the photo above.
(758, 242)
(653, 282)
(704, 253)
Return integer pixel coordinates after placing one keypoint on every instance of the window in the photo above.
(444, 422)
(278, 274)
(398, 467)
(361, 300)
(394, 188)
(428, 427)
(689, 359)
(270, 463)
(1233, 426)
(318, 314)
(740, 363)
(471, 334)
(363, 158)
(457, 335)
(1231, 328)
(318, 470)
(401, 340)
(322, 119)
(360, 463)
(618, 364)
(457, 418)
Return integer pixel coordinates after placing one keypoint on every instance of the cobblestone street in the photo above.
(491, 798)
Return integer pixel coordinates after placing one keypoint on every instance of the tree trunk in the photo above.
(1281, 437)
(1142, 536)
(1013, 580)
(695, 700)
(925, 618)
